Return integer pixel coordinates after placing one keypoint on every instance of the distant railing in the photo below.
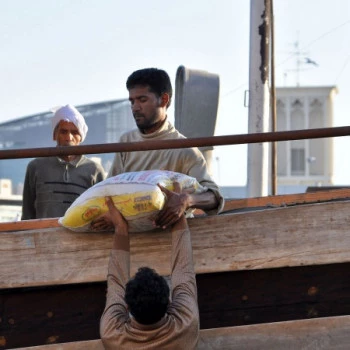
(182, 143)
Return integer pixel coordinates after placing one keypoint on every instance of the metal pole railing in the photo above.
(183, 143)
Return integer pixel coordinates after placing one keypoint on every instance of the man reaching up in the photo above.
(138, 312)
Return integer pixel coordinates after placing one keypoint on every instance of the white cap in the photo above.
(69, 113)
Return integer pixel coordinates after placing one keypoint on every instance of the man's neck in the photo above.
(68, 159)
(155, 127)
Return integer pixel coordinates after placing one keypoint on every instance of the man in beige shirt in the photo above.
(138, 312)
(150, 94)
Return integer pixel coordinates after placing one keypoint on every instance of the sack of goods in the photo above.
(135, 194)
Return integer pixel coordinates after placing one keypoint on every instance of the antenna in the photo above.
(300, 59)
(297, 54)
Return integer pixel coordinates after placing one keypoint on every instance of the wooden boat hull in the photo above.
(253, 267)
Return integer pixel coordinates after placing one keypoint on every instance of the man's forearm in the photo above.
(205, 201)
(181, 255)
(116, 312)
(179, 225)
(121, 242)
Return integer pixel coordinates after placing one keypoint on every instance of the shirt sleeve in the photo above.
(199, 170)
(117, 165)
(101, 175)
(115, 313)
(183, 278)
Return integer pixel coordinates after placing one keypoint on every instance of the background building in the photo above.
(303, 163)
(10, 204)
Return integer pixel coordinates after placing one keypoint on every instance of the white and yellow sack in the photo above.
(135, 194)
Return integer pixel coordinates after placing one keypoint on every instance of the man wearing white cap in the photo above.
(52, 184)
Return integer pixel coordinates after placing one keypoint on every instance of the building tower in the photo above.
(303, 163)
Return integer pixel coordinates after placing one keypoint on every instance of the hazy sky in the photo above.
(55, 52)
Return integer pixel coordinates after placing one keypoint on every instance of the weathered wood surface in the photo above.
(290, 236)
(28, 225)
(288, 200)
(230, 204)
(68, 313)
(79, 345)
(322, 333)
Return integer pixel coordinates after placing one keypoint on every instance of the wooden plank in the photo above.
(270, 295)
(230, 204)
(79, 345)
(291, 236)
(324, 188)
(55, 314)
(40, 315)
(28, 225)
(287, 200)
(322, 333)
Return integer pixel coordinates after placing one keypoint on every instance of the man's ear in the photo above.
(165, 98)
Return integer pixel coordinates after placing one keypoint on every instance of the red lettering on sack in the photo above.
(91, 213)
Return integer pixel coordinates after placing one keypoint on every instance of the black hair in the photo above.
(147, 296)
(156, 79)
